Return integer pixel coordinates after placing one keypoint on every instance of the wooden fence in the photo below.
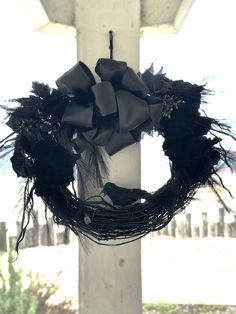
(47, 234)
(186, 228)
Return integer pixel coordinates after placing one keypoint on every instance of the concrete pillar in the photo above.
(110, 277)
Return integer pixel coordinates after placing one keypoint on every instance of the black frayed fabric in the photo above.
(63, 135)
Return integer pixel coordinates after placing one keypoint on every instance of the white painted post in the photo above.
(110, 277)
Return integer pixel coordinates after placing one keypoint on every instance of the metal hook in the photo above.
(111, 44)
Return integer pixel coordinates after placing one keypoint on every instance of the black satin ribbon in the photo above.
(108, 113)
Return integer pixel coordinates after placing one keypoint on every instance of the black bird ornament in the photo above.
(122, 196)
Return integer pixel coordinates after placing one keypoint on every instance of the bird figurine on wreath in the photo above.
(64, 134)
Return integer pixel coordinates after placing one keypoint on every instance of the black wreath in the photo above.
(56, 130)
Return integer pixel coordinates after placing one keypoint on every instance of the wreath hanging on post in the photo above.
(55, 131)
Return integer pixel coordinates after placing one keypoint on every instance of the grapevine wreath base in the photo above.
(55, 131)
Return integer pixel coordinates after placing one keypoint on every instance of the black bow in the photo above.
(109, 112)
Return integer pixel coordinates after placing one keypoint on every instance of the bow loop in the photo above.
(78, 78)
(110, 70)
(79, 115)
(99, 136)
(104, 98)
(118, 141)
(133, 83)
(132, 111)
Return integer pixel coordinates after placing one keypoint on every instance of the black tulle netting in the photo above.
(61, 136)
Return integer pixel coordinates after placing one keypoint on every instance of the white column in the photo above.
(110, 277)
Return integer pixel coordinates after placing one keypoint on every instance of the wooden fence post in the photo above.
(204, 225)
(188, 225)
(196, 232)
(3, 237)
(165, 231)
(221, 226)
(173, 228)
(213, 229)
(181, 229)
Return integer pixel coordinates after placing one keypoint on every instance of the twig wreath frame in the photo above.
(55, 131)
